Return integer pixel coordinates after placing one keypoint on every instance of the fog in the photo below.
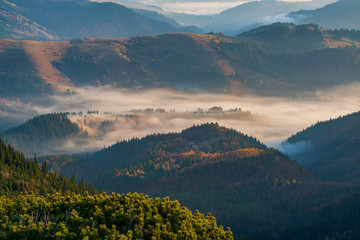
(272, 119)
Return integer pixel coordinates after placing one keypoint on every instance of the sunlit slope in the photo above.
(333, 148)
(293, 59)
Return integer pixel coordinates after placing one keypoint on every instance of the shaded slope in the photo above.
(19, 175)
(248, 187)
(13, 25)
(341, 14)
(333, 148)
(255, 192)
(82, 18)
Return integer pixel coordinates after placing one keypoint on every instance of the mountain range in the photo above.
(263, 61)
(340, 15)
(65, 19)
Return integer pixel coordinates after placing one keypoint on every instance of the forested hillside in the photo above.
(20, 175)
(333, 150)
(253, 191)
(207, 138)
(245, 185)
(41, 133)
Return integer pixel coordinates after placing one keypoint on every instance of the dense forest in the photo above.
(37, 135)
(255, 192)
(51, 211)
(206, 138)
(20, 175)
(334, 148)
(245, 185)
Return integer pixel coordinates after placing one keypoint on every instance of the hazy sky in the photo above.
(195, 6)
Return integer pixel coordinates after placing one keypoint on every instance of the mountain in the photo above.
(330, 148)
(65, 19)
(247, 15)
(261, 61)
(342, 14)
(20, 175)
(245, 185)
(42, 133)
(14, 25)
(208, 138)
(102, 216)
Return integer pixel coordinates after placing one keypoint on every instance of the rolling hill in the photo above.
(342, 14)
(332, 148)
(262, 61)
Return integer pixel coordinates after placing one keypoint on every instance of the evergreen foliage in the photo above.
(19, 175)
(130, 216)
(206, 138)
(37, 134)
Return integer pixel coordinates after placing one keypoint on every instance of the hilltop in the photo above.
(42, 133)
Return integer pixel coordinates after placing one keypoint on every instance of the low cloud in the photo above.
(294, 149)
(272, 119)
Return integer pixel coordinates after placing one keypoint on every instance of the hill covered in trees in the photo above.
(51, 211)
(207, 138)
(332, 148)
(245, 185)
(40, 134)
(20, 175)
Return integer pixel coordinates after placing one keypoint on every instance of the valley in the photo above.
(146, 120)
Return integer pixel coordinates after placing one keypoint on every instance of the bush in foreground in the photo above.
(130, 216)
